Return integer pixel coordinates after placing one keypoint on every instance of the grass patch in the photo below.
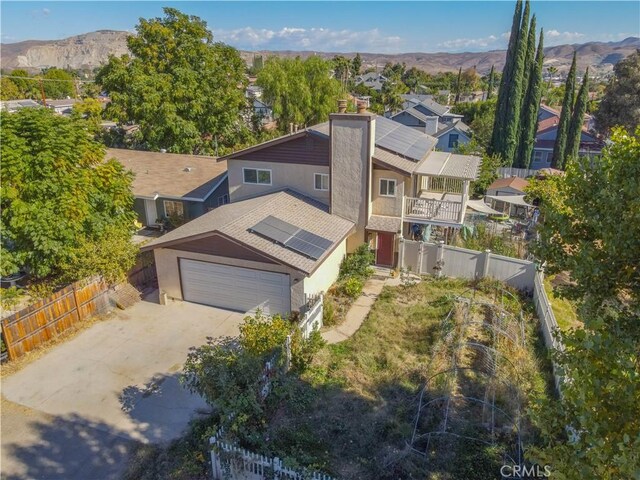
(563, 309)
(352, 413)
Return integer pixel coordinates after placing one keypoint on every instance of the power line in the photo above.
(38, 79)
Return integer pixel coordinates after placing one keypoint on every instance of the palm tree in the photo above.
(551, 71)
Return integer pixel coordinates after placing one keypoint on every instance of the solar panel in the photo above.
(294, 238)
(275, 229)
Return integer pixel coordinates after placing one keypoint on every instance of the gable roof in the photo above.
(516, 183)
(234, 220)
(429, 104)
(171, 175)
(459, 125)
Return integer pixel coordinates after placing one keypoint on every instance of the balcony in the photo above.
(447, 211)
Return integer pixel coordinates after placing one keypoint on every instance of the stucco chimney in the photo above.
(431, 125)
(352, 137)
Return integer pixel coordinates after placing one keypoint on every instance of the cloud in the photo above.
(296, 38)
(490, 42)
(46, 11)
(556, 37)
(40, 13)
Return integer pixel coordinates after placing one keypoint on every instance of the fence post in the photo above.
(75, 300)
(8, 342)
(485, 264)
(420, 257)
(401, 246)
(440, 257)
(287, 346)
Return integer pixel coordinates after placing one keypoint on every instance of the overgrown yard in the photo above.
(563, 309)
(351, 414)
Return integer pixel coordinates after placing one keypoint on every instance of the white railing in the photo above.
(441, 184)
(506, 172)
(229, 462)
(311, 315)
(430, 209)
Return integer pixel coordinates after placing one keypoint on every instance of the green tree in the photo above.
(458, 87)
(299, 91)
(58, 83)
(185, 91)
(577, 119)
(29, 87)
(479, 116)
(503, 92)
(91, 110)
(341, 70)
(531, 105)
(9, 90)
(516, 87)
(356, 65)
(491, 83)
(620, 103)
(560, 147)
(592, 231)
(62, 203)
(391, 91)
(529, 64)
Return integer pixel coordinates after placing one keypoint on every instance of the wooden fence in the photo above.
(143, 274)
(44, 320)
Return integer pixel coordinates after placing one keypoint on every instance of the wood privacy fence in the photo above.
(29, 328)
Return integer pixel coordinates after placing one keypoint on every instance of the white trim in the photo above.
(257, 170)
(395, 187)
(225, 199)
(314, 182)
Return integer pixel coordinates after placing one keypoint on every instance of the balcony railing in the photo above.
(430, 209)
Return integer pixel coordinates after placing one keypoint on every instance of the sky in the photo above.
(377, 27)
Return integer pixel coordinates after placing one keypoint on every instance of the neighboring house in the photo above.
(254, 91)
(62, 107)
(507, 195)
(424, 114)
(262, 110)
(300, 202)
(548, 120)
(13, 106)
(172, 185)
(371, 80)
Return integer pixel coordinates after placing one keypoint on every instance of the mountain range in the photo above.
(91, 50)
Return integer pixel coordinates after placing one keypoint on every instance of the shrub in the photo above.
(358, 263)
(328, 312)
(352, 287)
(10, 297)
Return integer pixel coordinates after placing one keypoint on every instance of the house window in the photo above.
(173, 209)
(539, 156)
(387, 187)
(256, 176)
(321, 181)
(453, 140)
(223, 200)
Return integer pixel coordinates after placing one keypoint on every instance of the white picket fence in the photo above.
(230, 462)
(311, 315)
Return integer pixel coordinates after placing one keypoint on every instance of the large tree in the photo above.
(184, 90)
(591, 229)
(58, 83)
(299, 91)
(503, 91)
(66, 212)
(560, 147)
(530, 107)
(620, 104)
(577, 118)
(491, 83)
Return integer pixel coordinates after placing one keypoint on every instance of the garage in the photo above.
(234, 288)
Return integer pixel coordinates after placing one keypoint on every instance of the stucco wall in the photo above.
(169, 274)
(296, 176)
(351, 148)
(390, 206)
(327, 274)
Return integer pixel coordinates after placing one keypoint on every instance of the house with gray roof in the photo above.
(299, 203)
(372, 80)
(13, 106)
(426, 115)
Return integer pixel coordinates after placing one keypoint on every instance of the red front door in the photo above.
(384, 255)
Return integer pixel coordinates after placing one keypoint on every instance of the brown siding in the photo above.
(308, 150)
(216, 245)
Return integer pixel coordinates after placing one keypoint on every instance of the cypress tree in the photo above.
(530, 108)
(559, 149)
(529, 57)
(577, 119)
(503, 93)
(491, 83)
(512, 124)
(459, 86)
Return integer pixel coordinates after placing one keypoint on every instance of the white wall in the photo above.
(327, 273)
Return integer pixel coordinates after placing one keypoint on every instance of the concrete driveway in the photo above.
(74, 412)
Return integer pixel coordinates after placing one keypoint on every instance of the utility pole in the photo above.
(44, 98)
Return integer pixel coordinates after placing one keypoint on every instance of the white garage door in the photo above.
(234, 288)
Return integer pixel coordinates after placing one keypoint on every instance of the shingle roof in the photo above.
(516, 183)
(393, 161)
(235, 219)
(168, 175)
(447, 127)
(382, 223)
(432, 106)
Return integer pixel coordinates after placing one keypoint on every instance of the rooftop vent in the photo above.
(188, 169)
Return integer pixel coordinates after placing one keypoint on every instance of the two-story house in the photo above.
(426, 115)
(300, 202)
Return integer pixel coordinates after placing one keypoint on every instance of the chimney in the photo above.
(362, 106)
(431, 125)
(342, 106)
(352, 137)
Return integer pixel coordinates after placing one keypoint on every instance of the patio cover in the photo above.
(480, 206)
(512, 199)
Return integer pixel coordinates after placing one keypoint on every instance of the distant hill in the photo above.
(92, 49)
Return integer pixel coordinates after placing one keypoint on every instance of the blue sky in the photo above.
(383, 27)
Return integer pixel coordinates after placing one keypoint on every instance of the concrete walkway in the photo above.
(361, 307)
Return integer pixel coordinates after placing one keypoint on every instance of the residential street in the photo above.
(74, 412)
